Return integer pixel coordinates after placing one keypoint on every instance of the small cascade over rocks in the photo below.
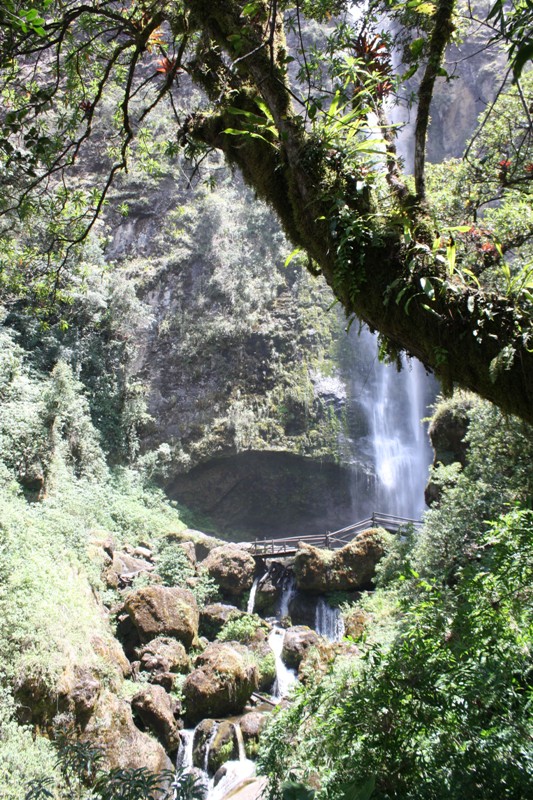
(227, 731)
(328, 621)
(287, 595)
(253, 591)
(285, 677)
(184, 757)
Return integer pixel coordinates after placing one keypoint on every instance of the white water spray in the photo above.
(287, 594)
(285, 677)
(184, 758)
(328, 621)
(251, 600)
(387, 437)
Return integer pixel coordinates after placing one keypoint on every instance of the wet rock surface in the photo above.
(298, 640)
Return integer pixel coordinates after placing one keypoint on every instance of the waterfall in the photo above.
(328, 621)
(240, 741)
(287, 593)
(251, 599)
(385, 436)
(235, 772)
(205, 765)
(285, 677)
(184, 757)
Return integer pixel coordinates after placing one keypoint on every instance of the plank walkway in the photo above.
(287, 546)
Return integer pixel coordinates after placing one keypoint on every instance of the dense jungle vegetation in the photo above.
(435, 700)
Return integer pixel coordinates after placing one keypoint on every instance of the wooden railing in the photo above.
(288, 545)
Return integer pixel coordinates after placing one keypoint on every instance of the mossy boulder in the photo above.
(163, 655)
(269, 590)
(351, 568)
(266, 663)
(251, 725)
(154, 611)
(298, 640)
(222, 682)
(203, 734)
(214, 616)
(355, 621)
(232, 568)
(224, 746)
(112, 729)
(202, 544)
(123, 568)
(156, 710)
(447, 432)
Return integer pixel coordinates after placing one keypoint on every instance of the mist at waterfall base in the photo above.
(385, 441)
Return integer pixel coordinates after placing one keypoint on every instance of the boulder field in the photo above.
(176, 662)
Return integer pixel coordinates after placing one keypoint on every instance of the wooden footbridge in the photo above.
(287, 546)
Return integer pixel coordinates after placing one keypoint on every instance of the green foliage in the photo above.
(187, 786)
(176, 569)
(497, 474)
(439, 703)
(134, 784)
(173, 564)
(241, 629)
(444, 711)
(515, 24)
(291, 790)
(25, 760)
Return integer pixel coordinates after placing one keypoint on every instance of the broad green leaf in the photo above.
(427, 288)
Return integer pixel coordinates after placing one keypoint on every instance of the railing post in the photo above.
(373, 519)
(327, 540)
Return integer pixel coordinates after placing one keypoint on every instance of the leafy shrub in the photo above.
(241, 629)
(173, 565)
(444, 711)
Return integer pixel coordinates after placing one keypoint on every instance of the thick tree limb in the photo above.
(467, 336)
(440, 37)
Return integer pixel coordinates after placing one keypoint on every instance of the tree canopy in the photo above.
(302, 98)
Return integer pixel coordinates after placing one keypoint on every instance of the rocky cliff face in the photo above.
(239, 356)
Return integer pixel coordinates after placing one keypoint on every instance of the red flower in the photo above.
(166, 65)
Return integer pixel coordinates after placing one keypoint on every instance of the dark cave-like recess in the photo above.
(271, 494)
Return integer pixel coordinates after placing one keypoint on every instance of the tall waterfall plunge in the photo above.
(385, 437)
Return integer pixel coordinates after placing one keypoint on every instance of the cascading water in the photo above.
(235, 772)
(385, 434)
(251, 600)
(184, 758)
(287, 594)
(328, 621)
(285, 677)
